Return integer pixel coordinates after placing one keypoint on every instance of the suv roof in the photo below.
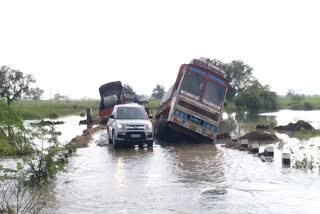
(128, 105)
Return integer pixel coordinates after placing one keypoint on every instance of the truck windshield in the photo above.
(214, 94)
(192, 85)
(131, 113)
(110, 101)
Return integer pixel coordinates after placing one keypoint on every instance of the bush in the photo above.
(256, 98)
(53, 115)
(296, 106)
(307, 106)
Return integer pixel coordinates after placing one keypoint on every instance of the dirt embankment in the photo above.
(47, 123)
(84, 139)
(260, 137)
(295, 127)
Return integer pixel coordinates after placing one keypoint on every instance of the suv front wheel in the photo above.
(150, 143)
(109, 138)
(114, 142)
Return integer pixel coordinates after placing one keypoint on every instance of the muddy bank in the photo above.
(84, 139)
(47, 123)
(260, 137)
(237, 145)
(295, 127)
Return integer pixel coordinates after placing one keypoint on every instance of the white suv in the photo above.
(128, 125)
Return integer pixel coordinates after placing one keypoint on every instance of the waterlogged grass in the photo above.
(305, 134)
(306, 103)
(52, 109)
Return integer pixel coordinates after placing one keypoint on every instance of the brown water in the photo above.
(182, 178)
(186, 178)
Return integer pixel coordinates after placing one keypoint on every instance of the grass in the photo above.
(305, 134)
(154, 105)
(52, 109)
(7, 149)
(55, 109)
(306, 103)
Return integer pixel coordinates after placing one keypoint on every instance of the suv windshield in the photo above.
(214, 95)
(192, 85)
(131, 113)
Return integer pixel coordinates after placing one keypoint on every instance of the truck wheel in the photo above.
(150, 143)
(161, 130)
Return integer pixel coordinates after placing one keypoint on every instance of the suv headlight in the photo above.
(121, 126)
(149, 126)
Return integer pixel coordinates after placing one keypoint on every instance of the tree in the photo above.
(294, 96)
(240, 75)
(158, 92)
(127, 89)
(13, 84)
(256, 98)
(36, 93)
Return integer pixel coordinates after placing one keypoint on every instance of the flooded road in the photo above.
(180, 178)
(185, 178)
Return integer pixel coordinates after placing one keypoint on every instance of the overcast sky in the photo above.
(73, 47)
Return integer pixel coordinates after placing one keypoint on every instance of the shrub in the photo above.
(256, 98)
(307, 106)
(53, 115)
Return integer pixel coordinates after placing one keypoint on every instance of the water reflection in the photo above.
(185, 178)
(238, 125)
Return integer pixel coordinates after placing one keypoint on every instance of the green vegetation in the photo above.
(22, 186)
(41, 156)
(14, 84)
(304, 103)
(305, 134)
(256, 98)
(52, 109)
(230, 107)
(154, 105)
(245, 92)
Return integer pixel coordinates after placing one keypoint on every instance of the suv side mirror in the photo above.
(111, 116)
(225, 104)
(150, 116)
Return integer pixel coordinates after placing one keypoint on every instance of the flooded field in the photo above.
(187, 178)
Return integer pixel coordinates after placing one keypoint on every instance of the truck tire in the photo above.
(161, 130)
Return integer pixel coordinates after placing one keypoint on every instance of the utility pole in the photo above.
(50, 97)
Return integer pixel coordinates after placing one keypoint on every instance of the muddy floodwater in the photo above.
(188, 178)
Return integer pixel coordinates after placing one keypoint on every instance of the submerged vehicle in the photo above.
(110, 95)
(194, 104)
